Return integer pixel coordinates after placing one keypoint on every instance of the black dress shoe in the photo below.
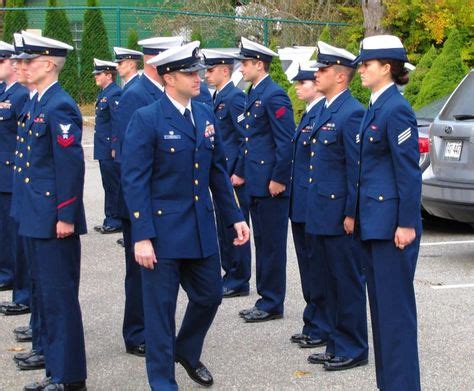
(38, 386)
(21, 329)
(247, 311)
(6, 286)
(320, 358)
(98, 228)
(261, 316)
(121, 242)
(15, 309)
(32, 363)
(78, 386)
(228, 293)
(23, 356)
(136, 350)
(106, 229)
(200, 374)
(24, 337)
(342, 363)
(296, 338)
(312, 343)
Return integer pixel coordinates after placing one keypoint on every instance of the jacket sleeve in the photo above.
(114, 100)
(237, 107)
(136, 173)
(221, 187)
(65, 123)
(280, 115)
(402, 133)
(351, 128)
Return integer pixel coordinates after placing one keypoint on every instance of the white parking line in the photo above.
(447, 243)
(454, 286)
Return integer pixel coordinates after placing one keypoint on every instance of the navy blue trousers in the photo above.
(133, 318)
(6, 240)
(346, 299)
(110, 173)
(236, 260)
(270, 232)
(390, 273)
(202, 282)
(22, 280)
(35, 322)
(303, 255)
(55, 268)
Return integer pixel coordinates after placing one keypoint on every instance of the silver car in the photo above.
(448, 183)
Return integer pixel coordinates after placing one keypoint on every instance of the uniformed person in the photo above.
(172, 156)
(229, 104)
(341, 311)
(105, 73)
(306, 91)
(12, 100)
(269, 127)
(204, 95)
(145, 91)
(52, 215)
(388, 218)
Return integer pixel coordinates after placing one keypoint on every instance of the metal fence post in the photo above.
(119, 24)
(265, 32)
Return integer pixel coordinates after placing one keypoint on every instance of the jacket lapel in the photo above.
(176, 119)
(201, 121)
(370, 113)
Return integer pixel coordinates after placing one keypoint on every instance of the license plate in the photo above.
(453, 150)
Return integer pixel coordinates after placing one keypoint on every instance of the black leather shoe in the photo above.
(312, 343)
(23, 356)
(228, 293)
(200, 374)
(296, 338)
(38, 386)
(136, 350)
(15, 309)
(32, 363)
(247, 311)
(78, 386)
(342, 363)
(106, 229)
(24, 337)
(261, 316)
(320, 358)
(21, 329)
(6, 286)
(120, 242)
(98, 228)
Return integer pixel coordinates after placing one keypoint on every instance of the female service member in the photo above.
(388, 221)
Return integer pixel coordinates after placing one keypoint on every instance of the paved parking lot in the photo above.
(260, 356)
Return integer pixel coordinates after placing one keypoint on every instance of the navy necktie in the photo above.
(187, 115)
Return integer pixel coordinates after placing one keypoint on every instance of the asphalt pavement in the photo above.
(260, 356)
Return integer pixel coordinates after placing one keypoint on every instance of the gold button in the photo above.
(248, 113)
(28, 148)
(358, 162)
(23, 124)
(196, 182)
(16, 152)
(30, 132)
(18, 123)
(246, 151)
(27, 164)
(196, 198)
(262, 162)
(310, 167)
(37, 134)
(27, 180)
(19, 169)
(136, 215)
(247, 126)
(312, 154)
(333, 196)
(21, 154)
(172, 149)
(380, 198)
(226, 159)
(310, 180)
(14, 168)
(160, 212)
(22, 139)
(304, 143)
(196, 165)
(314, 140)
(246, 139)
(371, 139)
(48, 194)
(325, 141)
(7, 162)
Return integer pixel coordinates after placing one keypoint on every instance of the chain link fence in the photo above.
(121, 23)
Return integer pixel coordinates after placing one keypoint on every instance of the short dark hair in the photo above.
(397, 70)
(266, 65)
(113, 73)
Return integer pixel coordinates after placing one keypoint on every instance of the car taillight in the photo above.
(424, 144)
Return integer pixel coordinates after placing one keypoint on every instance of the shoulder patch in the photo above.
(280, 112)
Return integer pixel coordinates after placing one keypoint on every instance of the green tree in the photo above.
(94, 45)
(416, 77)
(132, 40)
(276, 70)
(14, 20)
(446, 72)
(325, 35)
(299, 106)
(57, 27)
